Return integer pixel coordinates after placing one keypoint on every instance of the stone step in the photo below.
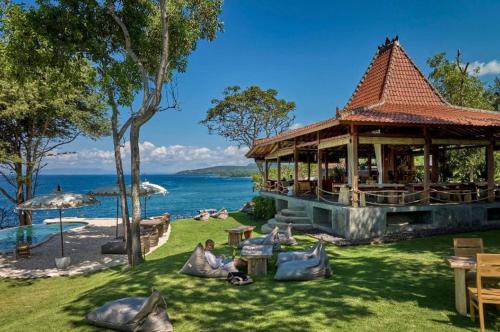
(267, 228)
(292, 219)
(296, 208)
(293, 213)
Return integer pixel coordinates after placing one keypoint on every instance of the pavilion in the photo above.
(367, 181)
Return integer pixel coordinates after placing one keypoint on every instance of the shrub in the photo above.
(264, 207)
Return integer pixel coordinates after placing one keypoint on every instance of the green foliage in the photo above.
(46, 100)
(264, 207)
(244, 115)
(287, 173)
(458, 86)
(231, 171)
(87, 28)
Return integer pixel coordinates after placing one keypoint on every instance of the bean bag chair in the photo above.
(299, 255)
(197, 265)
(133, 314)
(308, 269)
(269, 239)
(114, 248)
(285, 237)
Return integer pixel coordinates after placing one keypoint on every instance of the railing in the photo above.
(397, 197)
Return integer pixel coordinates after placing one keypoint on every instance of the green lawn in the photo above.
(403, 286)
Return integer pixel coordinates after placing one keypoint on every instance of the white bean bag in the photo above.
(133, 314)
(307, 269)
(269, 239)
(299, 255)
(197, 265)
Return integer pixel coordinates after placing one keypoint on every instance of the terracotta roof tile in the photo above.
(425, 115)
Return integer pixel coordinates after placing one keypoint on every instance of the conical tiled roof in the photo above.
(394, 90)
(392, 77)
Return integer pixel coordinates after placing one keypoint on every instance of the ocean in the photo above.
(187, 195)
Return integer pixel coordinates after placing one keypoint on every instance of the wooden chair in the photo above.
(488, 265)
(22, 249)
(468, 247)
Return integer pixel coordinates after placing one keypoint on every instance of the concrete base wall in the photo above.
(366, 222)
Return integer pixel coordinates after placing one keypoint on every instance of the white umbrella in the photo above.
(58, 200)
(146, 189)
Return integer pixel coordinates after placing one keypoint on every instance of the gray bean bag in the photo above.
(133, 314)
(308, 269)
(269, 239)
(285, 237)
(299, 255)
(197, 265)
(114, 247)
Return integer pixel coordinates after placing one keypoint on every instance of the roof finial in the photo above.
(396, 40)
(387, 41)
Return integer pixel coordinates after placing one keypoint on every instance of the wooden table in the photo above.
(256, 257)
(235, 234)
(461, 265)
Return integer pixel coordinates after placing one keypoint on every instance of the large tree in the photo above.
(459, 84)
(245, 115)
(45, 101)
(136, 47)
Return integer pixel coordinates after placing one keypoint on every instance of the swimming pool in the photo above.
(34, 234)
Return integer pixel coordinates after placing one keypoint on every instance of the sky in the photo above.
(313, 52)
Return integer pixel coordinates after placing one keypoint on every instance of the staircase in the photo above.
(296, 216)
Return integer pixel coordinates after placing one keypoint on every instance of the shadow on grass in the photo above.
(362, 281)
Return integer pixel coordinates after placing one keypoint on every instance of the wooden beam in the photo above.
(454, 141)
(308, 166)
(280, 153)
(333, 142)
(354, 166)
(391, 140)
(306, 144)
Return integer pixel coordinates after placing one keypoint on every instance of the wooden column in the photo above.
(326, 168)
(296, 168)
(266, 171)
(354, 166)
(279, 169)
(490, 169)
(320, 172)
(369, 162)
(427, 184)
(308, 166)
(435, 164)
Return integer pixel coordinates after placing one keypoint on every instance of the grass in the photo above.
(403, 286)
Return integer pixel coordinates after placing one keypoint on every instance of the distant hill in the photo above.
(233, 171)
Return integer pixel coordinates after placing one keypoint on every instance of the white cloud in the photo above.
(296, 126)
(162, 159)
(488, 68)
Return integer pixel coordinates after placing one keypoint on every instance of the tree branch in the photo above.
(129, 49)
(7, 195)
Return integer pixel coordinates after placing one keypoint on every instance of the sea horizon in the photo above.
(187, 194)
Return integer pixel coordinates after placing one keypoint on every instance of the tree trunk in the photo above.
(135, 160)
(20, 191)
(123, 189)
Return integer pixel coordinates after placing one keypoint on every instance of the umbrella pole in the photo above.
(116, 232)
(61, 232)
(145, 206)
